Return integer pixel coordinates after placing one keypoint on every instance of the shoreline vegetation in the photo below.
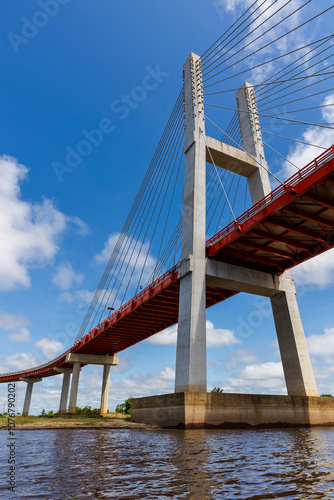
(112, 421)
(83, 418)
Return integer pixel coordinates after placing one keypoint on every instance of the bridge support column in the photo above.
(64, 389)
(298, 372)
(74, 388)
(27, 400)
(105, 389)
(190, 373)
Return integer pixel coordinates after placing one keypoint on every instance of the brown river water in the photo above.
(156, 464)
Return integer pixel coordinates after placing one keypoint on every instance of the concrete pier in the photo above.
(64, 389)
(74, 388)
(27, 400)
(105, 389)
(191, 339)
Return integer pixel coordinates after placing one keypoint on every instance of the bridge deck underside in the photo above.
(289, 226)
(293, 229)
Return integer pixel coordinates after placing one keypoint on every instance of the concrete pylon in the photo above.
(74, 388)
(297, 367)
(64, 389)
(190, 373)
(27, 400)
(105, 389)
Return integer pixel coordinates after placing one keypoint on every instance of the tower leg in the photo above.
(190, 373)
(298, 371)
(64, 391)
(27, 399)
(74, 388)
(105, 389)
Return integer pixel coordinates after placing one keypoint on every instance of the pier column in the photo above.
(190, 373)
(30, 383)
(74, 388)
(64, 389)
(105, 389)
(297, 367)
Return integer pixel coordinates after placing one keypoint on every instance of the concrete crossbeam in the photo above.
(240, 279)
(230, 158)
(91, 359)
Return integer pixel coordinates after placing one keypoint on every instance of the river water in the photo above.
(152, 464)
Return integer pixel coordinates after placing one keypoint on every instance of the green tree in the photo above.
(125, 407)
(326, 396)
(217, 389)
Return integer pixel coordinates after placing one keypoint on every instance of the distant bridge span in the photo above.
(293, 223)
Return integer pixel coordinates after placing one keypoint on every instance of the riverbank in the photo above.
(36, 423)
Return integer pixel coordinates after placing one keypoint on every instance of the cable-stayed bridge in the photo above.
(283, 227)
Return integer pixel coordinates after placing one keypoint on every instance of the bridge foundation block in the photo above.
(186, 410)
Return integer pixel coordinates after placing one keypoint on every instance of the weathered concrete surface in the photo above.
(27, 399)
(92, 359)
(105, 389)
(212, 410)
(230, 158)
(190, 373)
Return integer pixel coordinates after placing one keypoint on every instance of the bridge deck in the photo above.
(294, 223)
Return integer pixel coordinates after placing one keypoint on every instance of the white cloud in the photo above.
(318, 271)
(29, 232)
(21, 361)
(262, 371)
(50, 348)
(22, 335)
(215, 337)
(135, 254)
(300, 154)
(65, 278)
(11, 322)
(17, 326)
(322, 345)
(240, 356)
(81, 226)
(264, 28)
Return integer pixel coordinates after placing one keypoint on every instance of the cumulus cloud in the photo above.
(50, 348)
(65, 278)
(268, 21)
(300, 154)
(16, 325)
(22, 335)
(137, 262)
(215, 337)
(29, 232)
(322, 345)
(244, 356)
(318, 271)
(21, 361)
(11, 322)
(262, 371)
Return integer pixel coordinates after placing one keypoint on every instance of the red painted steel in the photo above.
(292, 224)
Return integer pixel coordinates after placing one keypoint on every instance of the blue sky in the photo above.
(66, 66)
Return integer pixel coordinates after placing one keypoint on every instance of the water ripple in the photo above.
(62, 464)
